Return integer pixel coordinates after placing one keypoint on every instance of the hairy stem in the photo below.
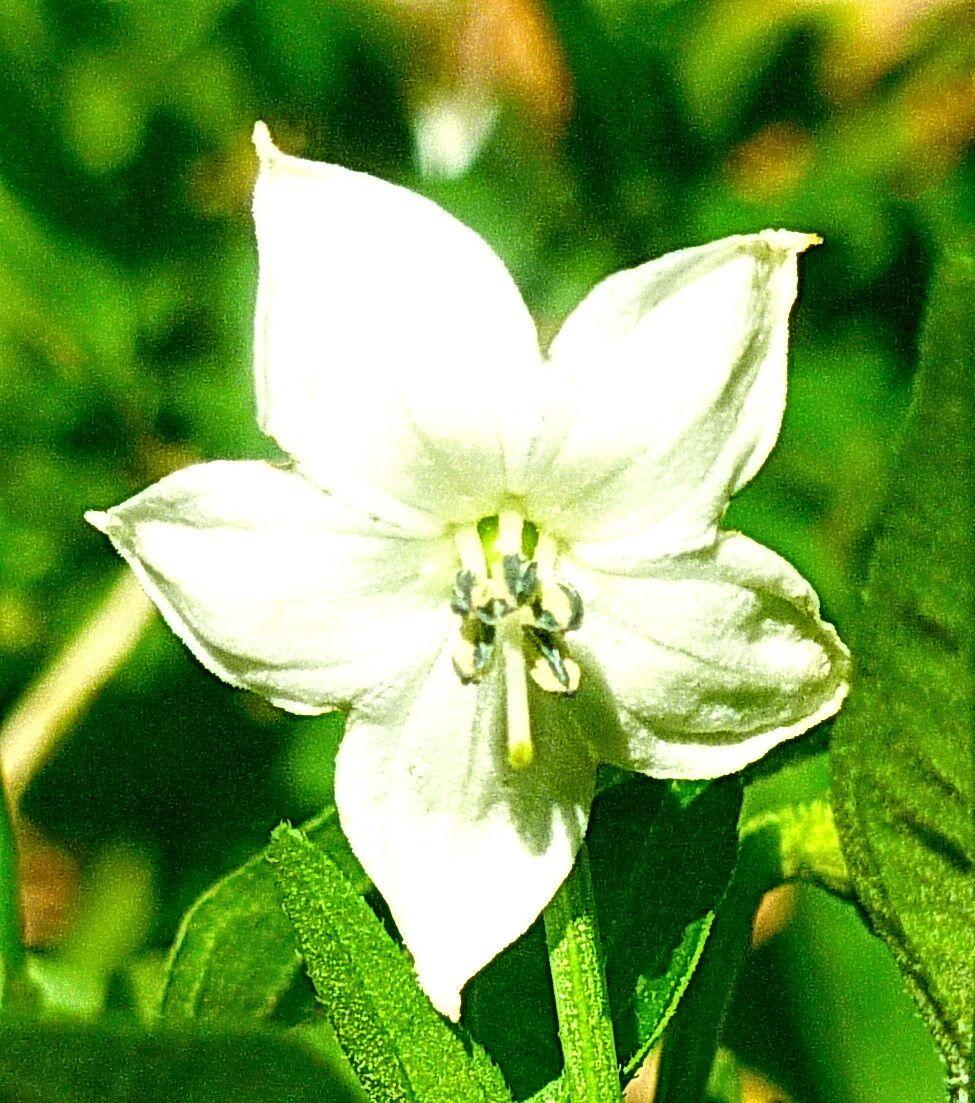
(575, 957)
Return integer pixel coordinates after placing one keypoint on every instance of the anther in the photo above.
(520, 577)
(552, 670)
(472, 653)
(558, 607)
(461, 599)
(492, 611)
(545, 678)
(489, 601)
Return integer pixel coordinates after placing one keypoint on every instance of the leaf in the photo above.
(234, 954)
(902, 749)
(509, 1007)
(398, 1045)
(77, 1062)
(692, 1039)
(661, 856)
(727, 1082)
(794, 843)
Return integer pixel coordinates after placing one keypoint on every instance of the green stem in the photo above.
(555, 1092)
(591, 1072)
(11, 947)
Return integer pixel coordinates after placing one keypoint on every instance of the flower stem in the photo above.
(575, 957)
(37, 722)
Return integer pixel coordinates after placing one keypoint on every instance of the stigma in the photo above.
(514, 610)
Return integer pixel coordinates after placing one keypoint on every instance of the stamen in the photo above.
(471, 550)
(460, 601)
(521, 751)
(558, 607)
(521, 578)
(546, 552)
(564, 683)
(472, 652)
(510, 524)
(464, 658)
(529, 582)
(492, 611)
(511, 568)
(551, 669)
(498, 589)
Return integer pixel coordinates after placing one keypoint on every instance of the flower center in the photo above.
(510, 600)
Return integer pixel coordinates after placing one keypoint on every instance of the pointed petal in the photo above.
(391, 344)
(668, 386)
(278, 588)
(712, 661)
(465, 849)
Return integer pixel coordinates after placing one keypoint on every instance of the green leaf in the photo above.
(398, 1045)
(75, 1062)
(234, 955)
(509, 1007)
(556, 1091)
(903, 747)
(796, 843)
(661, 856)
(726, 1083)
(692, 1039)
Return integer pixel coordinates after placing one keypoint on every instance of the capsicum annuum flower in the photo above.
(505, 566)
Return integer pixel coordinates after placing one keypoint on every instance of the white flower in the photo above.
(597, 614)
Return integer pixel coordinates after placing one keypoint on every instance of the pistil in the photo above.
(521, 751)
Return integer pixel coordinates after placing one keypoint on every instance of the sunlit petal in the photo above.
(666, 391)
(278, 588)
(465, 849)
(711, 661)
(392, 348)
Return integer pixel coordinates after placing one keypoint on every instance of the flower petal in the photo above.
(278, 588)
(668, 386)
(712, 661)
(392, 345)
(465, 849)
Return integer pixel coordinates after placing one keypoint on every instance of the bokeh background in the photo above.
(578, 137)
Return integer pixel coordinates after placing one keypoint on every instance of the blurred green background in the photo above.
(578, 136)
